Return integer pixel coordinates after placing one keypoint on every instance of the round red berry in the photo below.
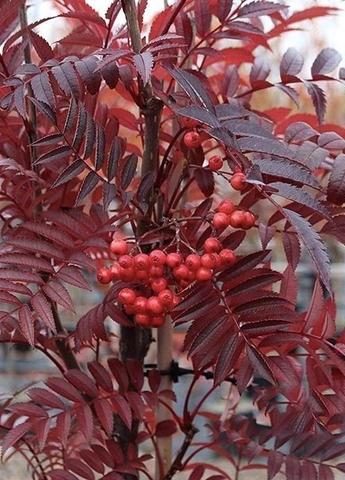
(220, 220)
(193, 262)
(157, 321)
(142, 261)
(217, 260)
(158, 257)
(191, 276)
(119, 247)
(209, 260)
(140, 305)
(215, 163)
(238, 181)
(156, 271)
(127, 296)
(159, 284)
(236, 219)
(142, 275)
(143, 320)
(192, 140)
(129, 309)
(125, 261)
(203, 274)
(248, 220)
(212, 245)
(227, 256)
(181, 272)
(166, 298)
(115, 272)
(174, 259)
(188, 122)
(127, 274)
(154, 306)
(226, 206)
(104, 275)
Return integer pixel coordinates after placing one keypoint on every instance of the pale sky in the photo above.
(330, 30)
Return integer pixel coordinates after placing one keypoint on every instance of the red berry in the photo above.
(142, 261)
(129, 309)
(127, 296)
(143, 320)
(140, 305)
(188, 122)
(209, 260)
(158, 257)
(142, 275)
(217, 260)
(174, 259)
(226, 206)
(193, 261)
(127, 274)
(166, 298)
(248, 220)
(238, 181)
(119, 247)
(159, 284)
(191, 276)
(115, 272)
(104, 275)
(181, 272)
(192, 140)
(220, 220)
(215, 163)
(227, 256)
(236, 218)
(125, 261)
(212, 245)
(156, 271)
(157, 321)
(154, 306)
(203, 274)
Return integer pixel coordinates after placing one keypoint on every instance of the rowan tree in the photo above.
(137, 154)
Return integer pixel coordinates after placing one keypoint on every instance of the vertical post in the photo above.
(164, 359)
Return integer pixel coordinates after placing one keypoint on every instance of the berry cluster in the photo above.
(159, 275)
(227, 214)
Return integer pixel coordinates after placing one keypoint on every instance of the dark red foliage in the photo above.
(113, 145)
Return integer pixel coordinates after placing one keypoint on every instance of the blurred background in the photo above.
(20, 366)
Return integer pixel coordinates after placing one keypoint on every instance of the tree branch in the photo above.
(177, 464)
(32, 124)
(135, 341)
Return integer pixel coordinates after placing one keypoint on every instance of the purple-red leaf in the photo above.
(336, 183)
(82, 382)
(291, 63)
(313, 244)
(318, 98)
(58, 293)
(26, 324)
(64, 388)
(259, 8)
(43, 310)
(144, 63)
(326, 61)
(205, 180)
(202, 17)
(14, 435)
